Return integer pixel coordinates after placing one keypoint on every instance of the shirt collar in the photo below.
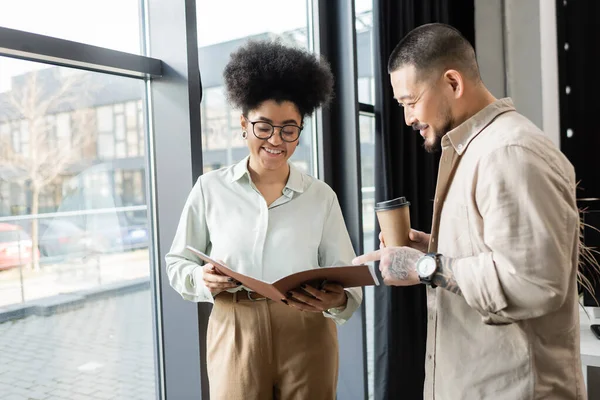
(240, 169)
(295, 180)
(462, 135)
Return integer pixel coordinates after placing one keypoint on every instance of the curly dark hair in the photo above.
(269, 70)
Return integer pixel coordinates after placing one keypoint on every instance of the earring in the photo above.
(244, 134)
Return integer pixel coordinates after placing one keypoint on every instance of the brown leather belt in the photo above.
(242, 295)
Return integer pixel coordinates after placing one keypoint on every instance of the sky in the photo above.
(116, 24)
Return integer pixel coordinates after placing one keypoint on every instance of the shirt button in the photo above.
(460, 146)
(429, 356)
(431, 317)
(432, 239)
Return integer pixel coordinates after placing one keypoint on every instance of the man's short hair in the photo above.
(435, 48)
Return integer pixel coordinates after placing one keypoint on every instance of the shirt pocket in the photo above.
(455, 232)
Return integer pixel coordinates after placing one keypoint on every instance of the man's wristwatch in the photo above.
(427, 266)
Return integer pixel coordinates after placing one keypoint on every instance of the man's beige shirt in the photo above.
(505, 208)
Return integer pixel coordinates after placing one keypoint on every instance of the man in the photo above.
(501, 260)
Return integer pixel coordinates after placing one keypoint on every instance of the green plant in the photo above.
(588, 271)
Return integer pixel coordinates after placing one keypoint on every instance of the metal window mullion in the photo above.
(66, 53)
(175, 158)
(340, 166)
(366, 108)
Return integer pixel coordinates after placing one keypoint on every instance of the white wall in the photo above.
(489, 45)
(549, 62)
(517, 53)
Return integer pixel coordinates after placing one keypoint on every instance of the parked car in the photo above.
(15, 246)
(116, 233)
(62, 238)
(58, 238)
(134, 235)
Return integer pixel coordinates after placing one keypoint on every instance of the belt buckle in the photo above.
(249, 294)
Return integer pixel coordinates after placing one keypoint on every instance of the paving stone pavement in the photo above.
(103, 350)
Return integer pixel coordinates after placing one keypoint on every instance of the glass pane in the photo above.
(114, 24)
(364, 50)
(120, 131)
(106, 146)
(367, 171)
(74, 240)
(366, 94)
(105, 119)
(262, 19)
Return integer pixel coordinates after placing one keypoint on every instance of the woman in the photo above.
(266, 219)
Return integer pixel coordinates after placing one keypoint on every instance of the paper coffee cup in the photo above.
(394, 221)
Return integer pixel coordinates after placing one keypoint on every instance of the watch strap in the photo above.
(428, 280)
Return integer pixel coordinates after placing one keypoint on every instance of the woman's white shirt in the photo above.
(226, 217)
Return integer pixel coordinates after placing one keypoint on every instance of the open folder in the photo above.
(347, 276)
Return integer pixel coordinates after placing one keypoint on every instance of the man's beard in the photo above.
(436, 145)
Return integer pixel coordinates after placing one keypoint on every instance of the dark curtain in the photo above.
(403, 168)
(578, 44)
(578, 41)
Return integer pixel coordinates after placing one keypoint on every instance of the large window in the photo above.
(74, 238)
(367, 150)
(366, 97)
(263, 19)
(364, 46)
(114, 24)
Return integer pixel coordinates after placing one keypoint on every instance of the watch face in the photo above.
(426, 266)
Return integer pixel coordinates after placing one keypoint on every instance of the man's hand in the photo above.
(397, 264)
(330, 296)
(418, 240)
(216, 282)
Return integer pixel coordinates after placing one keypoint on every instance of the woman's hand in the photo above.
(309, 298)
(216, 282)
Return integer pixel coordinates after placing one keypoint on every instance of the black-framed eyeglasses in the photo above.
(265, 130)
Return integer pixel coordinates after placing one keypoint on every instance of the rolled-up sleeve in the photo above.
(530, 220)
(336, 249)
(184, 268)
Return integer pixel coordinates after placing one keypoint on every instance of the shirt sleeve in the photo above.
(336, 249)
(184, 268)
(530, 225)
